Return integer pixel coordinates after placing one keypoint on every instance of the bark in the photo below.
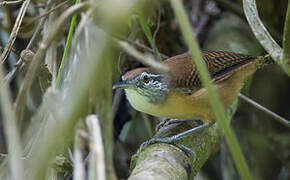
(166, 161)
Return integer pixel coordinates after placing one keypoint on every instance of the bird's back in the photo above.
(220, 64)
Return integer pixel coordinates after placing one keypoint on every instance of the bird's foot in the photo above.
(175, 140)
(169, 140)
(184, 134)
(161, 124)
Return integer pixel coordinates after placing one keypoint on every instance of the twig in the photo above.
(8, 78)
(140, 57)
(286, 43)
(260, 31)
(280, 119)
(4, 3)
(14, 32)
(12, 49)
(11, 131)
(97, 166)
(217, 106)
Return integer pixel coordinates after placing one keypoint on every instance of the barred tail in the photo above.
(263, 61)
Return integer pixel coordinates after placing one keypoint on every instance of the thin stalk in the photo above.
(14, 32)
(141, 57)
(97, 167)
(277, 117)
(38, 58)
(11, 132)
(214, 100)
(79, 166)
(139, 45)
(4, 3)
(9, 77)
(286, 43)
(67, 45)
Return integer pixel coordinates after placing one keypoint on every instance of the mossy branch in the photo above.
(165, 161)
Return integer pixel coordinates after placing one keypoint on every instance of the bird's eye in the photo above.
(146, 79)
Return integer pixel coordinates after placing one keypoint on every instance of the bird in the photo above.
(179, 94)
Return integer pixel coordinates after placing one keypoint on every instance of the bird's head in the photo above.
(146, 83)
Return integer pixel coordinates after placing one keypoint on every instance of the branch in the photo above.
(260, 31)
(286, 43)
(164, 161)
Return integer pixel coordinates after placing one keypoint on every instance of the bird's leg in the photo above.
(174, 122)
(161, 124)
(175, 139)
(197, 129)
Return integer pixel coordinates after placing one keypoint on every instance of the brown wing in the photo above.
(219, 63)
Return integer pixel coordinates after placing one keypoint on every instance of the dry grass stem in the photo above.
(4, 3)
(11, 132)
(142, 46)
(141, 57)
(39, 55)
(14, 32)
(46, 13)
(97, 166)
(79, 166)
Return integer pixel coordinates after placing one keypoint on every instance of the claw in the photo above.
(174, 140)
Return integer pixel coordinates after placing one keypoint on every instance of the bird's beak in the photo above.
(123, 85)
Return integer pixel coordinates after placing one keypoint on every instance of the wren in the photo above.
(179, 93)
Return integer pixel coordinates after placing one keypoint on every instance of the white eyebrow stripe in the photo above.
(150, 74)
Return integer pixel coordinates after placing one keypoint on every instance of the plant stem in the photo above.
(11, 131)
(214, 100)
(67, 45)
